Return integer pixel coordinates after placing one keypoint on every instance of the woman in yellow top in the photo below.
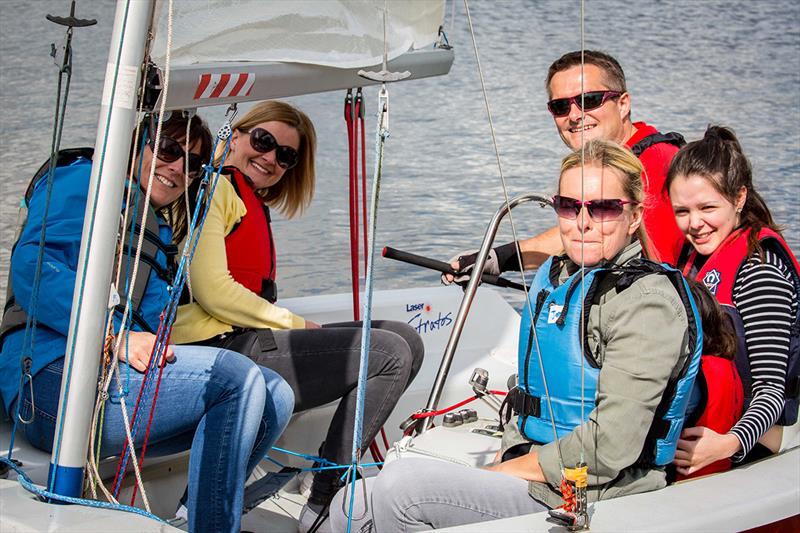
(271, 164)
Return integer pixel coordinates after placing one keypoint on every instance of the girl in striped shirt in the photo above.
(737, 251)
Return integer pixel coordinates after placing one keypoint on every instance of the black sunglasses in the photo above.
(263, 141)
(170, 150)
(591, 100)
(599, 210)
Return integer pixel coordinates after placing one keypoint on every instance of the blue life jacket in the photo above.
(559, 313)
(61, 257)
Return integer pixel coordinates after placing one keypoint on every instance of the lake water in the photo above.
(688, 64)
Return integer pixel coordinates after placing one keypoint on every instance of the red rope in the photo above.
(119, 476)
(376, 452)
(353, 190)
(569, 497)
(428, 414)
(360, 115)
(385, 439)
(162, 362)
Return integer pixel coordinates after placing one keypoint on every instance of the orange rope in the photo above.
(568, 495)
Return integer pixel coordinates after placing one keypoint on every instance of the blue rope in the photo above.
(305, 456)
(170, 309)
(381, 133)
(28, 485)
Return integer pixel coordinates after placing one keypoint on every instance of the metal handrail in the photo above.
(469, 295)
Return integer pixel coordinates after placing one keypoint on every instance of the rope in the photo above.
(360, 116)
(158, 351)
(513, 231)
(381, 134)
(583, 240)
(186, 198)
(31, 323)
(45, 495)
(103, 395)
(352, 152)
(168, 315)
(428, 414)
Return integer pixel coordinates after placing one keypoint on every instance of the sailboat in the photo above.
(488, 336)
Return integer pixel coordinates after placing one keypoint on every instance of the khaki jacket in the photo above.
(640, 340)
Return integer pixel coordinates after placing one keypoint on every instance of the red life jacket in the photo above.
(723, 397)
(249, 246)
(719, 274)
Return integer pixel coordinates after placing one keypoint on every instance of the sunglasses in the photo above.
(592, 100)
(599, 210)
(170, 150)
(263, 141)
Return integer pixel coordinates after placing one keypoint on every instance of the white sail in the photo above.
(333, 33)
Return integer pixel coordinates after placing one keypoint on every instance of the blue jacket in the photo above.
(559, 315)
(58, 276)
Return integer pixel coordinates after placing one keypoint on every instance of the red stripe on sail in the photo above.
(205, 79)
(223, 81)
(240, 81)
(251, 80)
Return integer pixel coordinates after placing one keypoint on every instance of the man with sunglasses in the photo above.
(603, 111)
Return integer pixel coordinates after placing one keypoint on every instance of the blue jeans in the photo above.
(211, 401)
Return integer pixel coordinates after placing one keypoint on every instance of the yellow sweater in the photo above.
(219, 301)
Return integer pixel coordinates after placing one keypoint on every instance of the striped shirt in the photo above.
(766, 298)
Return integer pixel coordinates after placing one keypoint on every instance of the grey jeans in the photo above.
(423, 494)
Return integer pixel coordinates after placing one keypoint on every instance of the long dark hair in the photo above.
(718, 157)
(719, 337)
(175, 127)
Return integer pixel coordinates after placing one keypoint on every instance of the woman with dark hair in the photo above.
(736, 249)
(271, 165)
(204, 393)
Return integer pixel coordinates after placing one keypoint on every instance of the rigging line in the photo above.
(45, 495)
(108, 369)
(82, 286)
(381, 134)
(360, 117)
(186, 197)
(352, 185)
(513, 230)
(31, 324)
(583, 236)
(145, 213)
(170, 309)
(189, 249)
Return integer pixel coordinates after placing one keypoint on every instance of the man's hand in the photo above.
(463, 263)
(312, 325)
(137, 349)
(500, 259)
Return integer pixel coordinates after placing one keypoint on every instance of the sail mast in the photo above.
(91, 297)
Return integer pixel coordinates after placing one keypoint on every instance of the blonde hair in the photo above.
(294, 192)
(609, 154)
